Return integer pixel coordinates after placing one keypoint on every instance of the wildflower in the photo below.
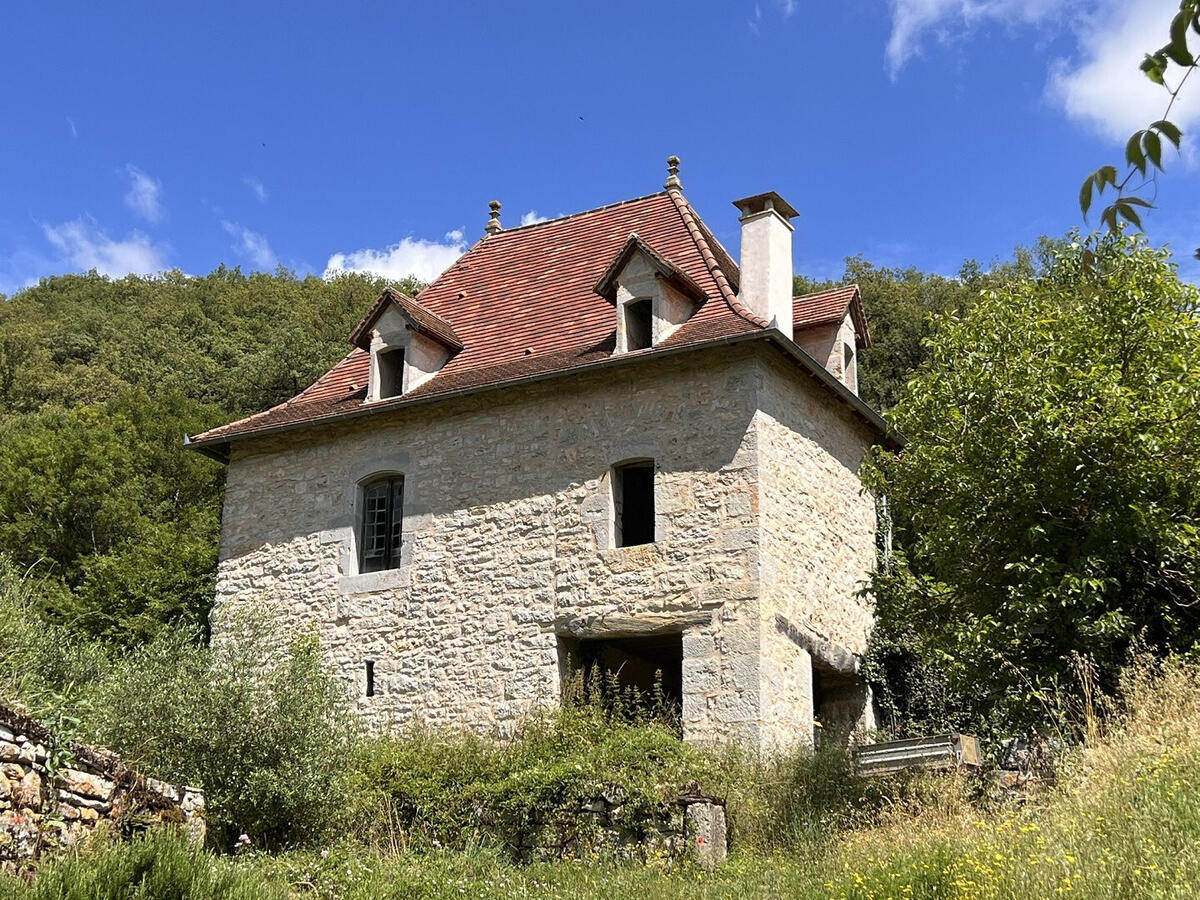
(324, 854)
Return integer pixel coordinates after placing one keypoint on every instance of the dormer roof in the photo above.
(419, 318)
(830, 306)
(606, 287)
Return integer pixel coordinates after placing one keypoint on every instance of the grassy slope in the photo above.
(1124, 822)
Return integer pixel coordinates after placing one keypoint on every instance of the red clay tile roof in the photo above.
(827, 307)
(522, 303)
(422, 319)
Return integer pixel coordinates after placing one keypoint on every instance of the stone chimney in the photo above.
(766, 264)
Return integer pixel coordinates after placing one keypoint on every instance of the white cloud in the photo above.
(256, 188)
(417, 257)
(1099, 86)
(84, 246)
(1103, 87)
(914, 20)
(532, 218)
(144, 196)
(252, 245)
(71, 125)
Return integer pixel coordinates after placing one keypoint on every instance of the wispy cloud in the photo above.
(252, 246)
(417, 257)
(915, 21)
(532, 218)
(83, 245)
(144, 196)
(71, 125)
(256, 188)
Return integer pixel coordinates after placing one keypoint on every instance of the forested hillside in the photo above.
(100, 380)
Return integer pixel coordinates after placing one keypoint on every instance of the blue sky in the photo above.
(141, 136)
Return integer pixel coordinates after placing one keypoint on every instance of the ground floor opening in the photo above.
(638, 675)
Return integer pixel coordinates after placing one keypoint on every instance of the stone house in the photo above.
(593, 438)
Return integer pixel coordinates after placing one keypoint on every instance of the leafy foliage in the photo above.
(900, 304)
(1048, 497)
(265, 734)
(99, 381)
(1143, 150)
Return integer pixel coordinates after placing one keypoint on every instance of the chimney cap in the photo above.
(493, 225)
(673, 183)
(749, 206)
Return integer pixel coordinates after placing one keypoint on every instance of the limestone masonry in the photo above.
(48, 805)
(465, 591)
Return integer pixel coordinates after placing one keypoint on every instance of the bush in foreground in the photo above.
(1123, 822)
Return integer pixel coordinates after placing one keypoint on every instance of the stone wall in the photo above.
(508, 543)
(818, 547)
(49, 804)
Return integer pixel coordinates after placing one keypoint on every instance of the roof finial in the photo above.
(493, 225)
(673, 183)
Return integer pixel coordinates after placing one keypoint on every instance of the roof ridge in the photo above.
(852, 286)
(582, 212)
(690, 218)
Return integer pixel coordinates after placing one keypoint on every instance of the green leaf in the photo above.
(1108, 218)
(1153, 149)
(1169, 130)
(1133, 152)
(1154, 65)
(1138, 201)
(1178, 48)
(1107, 173)
(1129, 213)
(1085, 194)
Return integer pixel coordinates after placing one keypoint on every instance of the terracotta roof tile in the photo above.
(523, 303)
(827, 307)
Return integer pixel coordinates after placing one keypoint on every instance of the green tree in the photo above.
(99, 381)
(1047, 500)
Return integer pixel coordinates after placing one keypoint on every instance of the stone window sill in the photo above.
(373, 582)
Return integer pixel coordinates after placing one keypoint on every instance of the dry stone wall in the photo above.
(46, 807)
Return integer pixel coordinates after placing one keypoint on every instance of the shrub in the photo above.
(266, 733)
(425, 788)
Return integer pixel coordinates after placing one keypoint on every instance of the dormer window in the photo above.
(391, 373)
(639, 324)
(652, 296)
(408, 344)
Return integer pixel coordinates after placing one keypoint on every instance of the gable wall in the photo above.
(507, 541)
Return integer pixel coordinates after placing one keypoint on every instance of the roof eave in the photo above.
(219, 447)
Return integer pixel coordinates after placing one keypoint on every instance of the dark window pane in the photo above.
(382, 521)
(639, 324)
(635, 504)
(391, 373)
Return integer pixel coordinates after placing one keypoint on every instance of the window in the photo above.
(391, 373)
(639, 330)
(633, 503)
(382, 516)
(370, 663)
